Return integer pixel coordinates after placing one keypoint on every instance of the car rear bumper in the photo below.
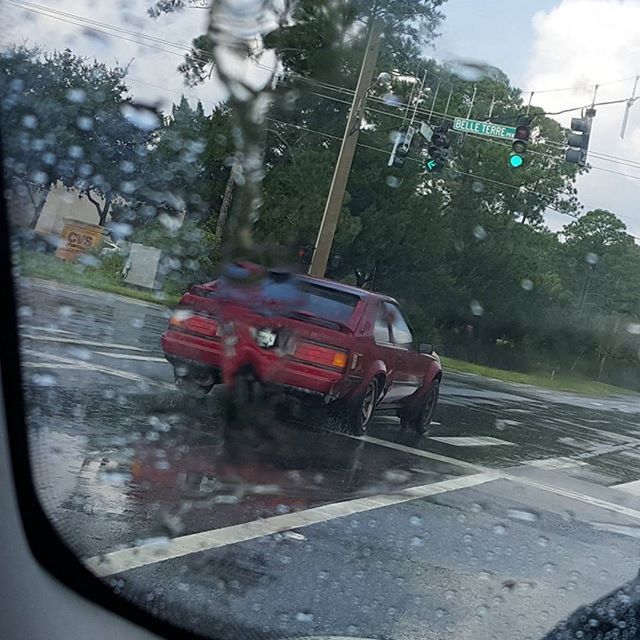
(178, 345)
(273, 368)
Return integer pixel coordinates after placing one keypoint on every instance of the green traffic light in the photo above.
(431, 165)
(515, 160)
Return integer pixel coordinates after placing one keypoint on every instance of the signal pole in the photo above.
(332, 209)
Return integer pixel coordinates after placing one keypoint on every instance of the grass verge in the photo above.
(42, 265)
(583, 386)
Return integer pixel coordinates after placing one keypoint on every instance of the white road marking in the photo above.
(50, 365)
(575, 495)
(553, 464)
(89, 366)
(143, 555)
(417, 452)
(471, 441)
(85, 343)
(75, 290)
(127, 356)
(628, 487)
(611, 527)
(566, 493)
(26, 327)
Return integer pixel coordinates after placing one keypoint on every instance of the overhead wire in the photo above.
(53, 13)
(574, 87)
(78, 20)
(154, 41)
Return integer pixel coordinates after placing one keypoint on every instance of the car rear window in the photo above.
(316, 300)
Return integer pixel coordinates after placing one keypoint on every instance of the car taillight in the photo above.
(321, 355)
(193, 323)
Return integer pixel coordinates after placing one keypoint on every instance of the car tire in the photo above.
(419, 418)
(192, 386)
(357, 415)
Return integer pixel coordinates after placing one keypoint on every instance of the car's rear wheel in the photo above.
(419, 418)
(357, 414)
(194, 386)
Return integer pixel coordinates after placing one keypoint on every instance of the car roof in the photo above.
(346, 288)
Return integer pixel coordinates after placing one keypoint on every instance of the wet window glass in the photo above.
(327, 303)
(400, 332)
(207, 203)
(381, 328)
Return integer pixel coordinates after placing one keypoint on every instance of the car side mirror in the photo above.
(425, 347)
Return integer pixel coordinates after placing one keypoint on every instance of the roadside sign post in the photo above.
(426, 131)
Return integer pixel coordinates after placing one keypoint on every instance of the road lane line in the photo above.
(555, 464)
(576, 495)
(85, 343)
(127, 356)
(139, 556)
(27, 327)
(472, 441)
(417, 452)
(57, 287)
(90, 366)
(628, 487)
(50, 365)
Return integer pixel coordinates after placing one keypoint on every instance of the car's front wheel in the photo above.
(419, 418)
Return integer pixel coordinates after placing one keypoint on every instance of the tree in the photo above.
(78, 136)
(597, 253)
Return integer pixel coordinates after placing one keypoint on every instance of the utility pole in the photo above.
(226, 204)
(331, 214)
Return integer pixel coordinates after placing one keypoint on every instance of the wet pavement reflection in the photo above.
(124, 460)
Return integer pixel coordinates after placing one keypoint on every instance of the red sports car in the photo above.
(351, 348)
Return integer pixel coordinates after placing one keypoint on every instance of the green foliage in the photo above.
(78, 136)
(42, 265)
(111, 265)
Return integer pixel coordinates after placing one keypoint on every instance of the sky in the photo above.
(541, 45)
(153, 48)
(570, 45)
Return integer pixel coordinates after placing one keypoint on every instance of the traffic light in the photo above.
(519, 145)
(401, 148)
(516, 160)
(438, 151)
(334, 264)
(396, 160)
(578, 139)
(305, 255)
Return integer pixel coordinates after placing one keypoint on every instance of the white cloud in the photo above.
(578, 44)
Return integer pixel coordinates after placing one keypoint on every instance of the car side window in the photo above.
(381, 327)
(400, 331)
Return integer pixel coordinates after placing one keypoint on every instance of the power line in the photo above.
(573, 88)
(92, 28)
(69, 17)
(601, 156)
(77, 20)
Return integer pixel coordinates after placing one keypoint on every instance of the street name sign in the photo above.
(484, 128)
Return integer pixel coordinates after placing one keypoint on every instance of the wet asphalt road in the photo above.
(498, 522)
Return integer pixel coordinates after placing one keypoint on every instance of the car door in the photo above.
(385, 349)
(408, 376)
